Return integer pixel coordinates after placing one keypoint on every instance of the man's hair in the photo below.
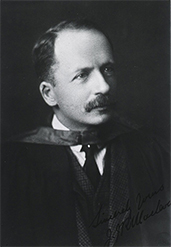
(43, 51)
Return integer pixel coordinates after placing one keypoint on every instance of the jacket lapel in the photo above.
(119, 209)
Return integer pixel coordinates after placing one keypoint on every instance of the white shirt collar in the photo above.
(99, 157)
(57, 125)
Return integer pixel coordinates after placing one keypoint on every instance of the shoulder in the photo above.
(148, 155)
(145, 140)
(25, 157)
(35, 141)
(146, 146)
(40, 141)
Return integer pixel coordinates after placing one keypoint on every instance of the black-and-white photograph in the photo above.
(85, 123)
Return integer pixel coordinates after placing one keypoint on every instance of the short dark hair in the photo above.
(43, 51)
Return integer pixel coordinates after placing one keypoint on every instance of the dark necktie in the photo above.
(90, 166)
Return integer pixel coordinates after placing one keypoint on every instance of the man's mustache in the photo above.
(100, 101)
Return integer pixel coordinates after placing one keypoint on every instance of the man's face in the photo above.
(85, 79)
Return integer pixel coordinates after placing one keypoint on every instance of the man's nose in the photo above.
(101, 85)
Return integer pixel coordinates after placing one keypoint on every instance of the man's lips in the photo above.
(102, 107)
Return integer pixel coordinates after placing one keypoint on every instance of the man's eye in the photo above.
(108, 70)
(80, 76)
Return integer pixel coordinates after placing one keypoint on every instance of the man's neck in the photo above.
(58, 125)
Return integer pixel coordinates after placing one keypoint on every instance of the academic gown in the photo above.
(38, 203)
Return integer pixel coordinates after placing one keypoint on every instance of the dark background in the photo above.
(140, 32)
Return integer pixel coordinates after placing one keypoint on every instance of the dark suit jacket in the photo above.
(38, 207)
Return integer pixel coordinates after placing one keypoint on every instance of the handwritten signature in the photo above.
(140, 201)
(132, 220)
(98, 219)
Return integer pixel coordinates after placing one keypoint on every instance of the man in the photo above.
(88, 180)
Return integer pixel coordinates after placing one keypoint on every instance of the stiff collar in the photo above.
(57, 125)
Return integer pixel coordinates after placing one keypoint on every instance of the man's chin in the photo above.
(101, 117)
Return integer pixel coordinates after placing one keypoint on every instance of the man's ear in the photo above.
(47, 92)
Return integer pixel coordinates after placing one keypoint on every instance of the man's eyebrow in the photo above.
(88, 69)
(112, 63)
(83, 69)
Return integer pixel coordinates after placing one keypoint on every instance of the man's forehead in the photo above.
(81, 43)
(72, 32)
(77, 38)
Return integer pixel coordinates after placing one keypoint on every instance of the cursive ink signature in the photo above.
(135, 220)
(99, 219)
(132, 220)
(140, 201)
